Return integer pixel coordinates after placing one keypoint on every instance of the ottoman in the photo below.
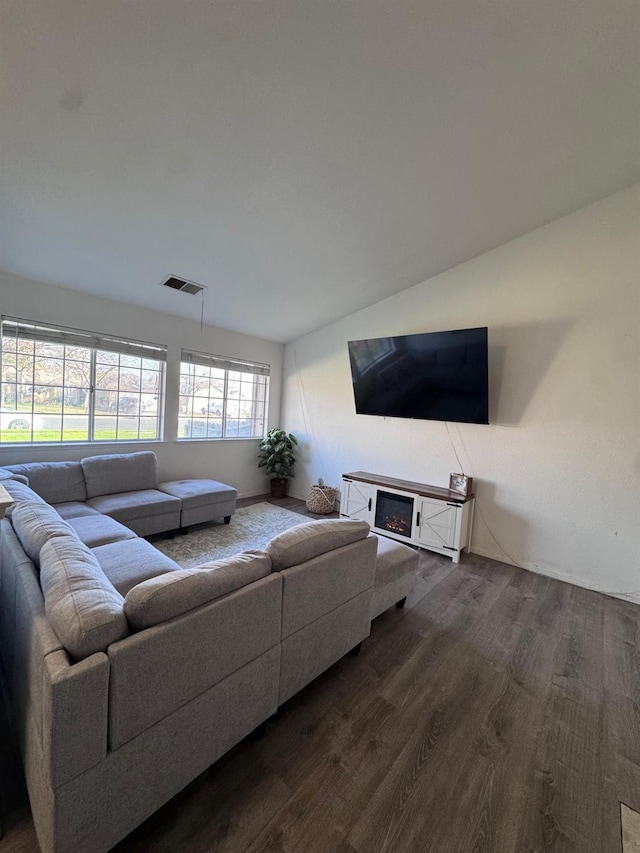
(202, 500)
(396, 567)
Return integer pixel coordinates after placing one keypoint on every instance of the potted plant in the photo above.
(276, 456)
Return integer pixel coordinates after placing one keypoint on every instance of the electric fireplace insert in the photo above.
(394, 513)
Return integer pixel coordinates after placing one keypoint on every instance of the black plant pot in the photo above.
(279, 487)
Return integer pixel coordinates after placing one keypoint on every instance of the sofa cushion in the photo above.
(127, 506)
(20, 492)
(169, 595)
(74, 509)
(306, 541)
(83, 608)
(195, 493)
(129, 562)
(34, 524)
(54, 481)
(96, 530)
(120, 472)
(394, 561)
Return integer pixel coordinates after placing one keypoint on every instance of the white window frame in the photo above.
(95, 343)
(202, 423)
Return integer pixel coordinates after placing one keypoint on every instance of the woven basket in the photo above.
(321, 499)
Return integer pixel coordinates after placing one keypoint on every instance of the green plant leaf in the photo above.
(275, 453)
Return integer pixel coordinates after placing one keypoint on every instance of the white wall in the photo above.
(557, 472)
(231, 461)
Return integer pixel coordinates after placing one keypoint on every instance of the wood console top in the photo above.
(409, 486)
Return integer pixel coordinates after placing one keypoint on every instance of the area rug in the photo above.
(251, 527)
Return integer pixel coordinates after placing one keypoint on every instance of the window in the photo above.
(59, 385)
(367, 352)
(221, 397)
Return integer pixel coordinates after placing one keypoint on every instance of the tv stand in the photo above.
(415, 513)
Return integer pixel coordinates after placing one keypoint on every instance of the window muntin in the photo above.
(221, 398)
(60, 385)
(367, 352)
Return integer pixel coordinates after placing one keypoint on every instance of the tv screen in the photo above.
(439, 376)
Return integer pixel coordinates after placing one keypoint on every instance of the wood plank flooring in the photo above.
(499, 712)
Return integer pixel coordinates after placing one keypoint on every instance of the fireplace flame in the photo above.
(396, 525)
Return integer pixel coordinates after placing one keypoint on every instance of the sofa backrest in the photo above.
(55, 482)
(328, 571)
(161, 669)
(6, 474)
(336, 562)
(120, 472)
(168, 595)
(34, 524)
(306, 541)
(84, 608)
(19, 491)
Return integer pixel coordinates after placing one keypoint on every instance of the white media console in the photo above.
(427, 516)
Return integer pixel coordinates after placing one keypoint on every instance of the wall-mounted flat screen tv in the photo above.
(438, 376)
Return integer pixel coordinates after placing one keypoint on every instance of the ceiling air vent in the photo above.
(183, 285)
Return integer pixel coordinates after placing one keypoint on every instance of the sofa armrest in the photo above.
(75, 707)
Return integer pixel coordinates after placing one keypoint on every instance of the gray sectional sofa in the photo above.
(129, 676)
(125, 487)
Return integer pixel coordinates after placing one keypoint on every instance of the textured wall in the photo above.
(557, 472)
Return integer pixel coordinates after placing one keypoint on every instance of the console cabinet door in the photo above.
(359, 500)
(437, 523)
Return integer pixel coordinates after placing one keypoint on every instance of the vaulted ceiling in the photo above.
(301, 158)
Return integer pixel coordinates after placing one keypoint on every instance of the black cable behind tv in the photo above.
(439, 376)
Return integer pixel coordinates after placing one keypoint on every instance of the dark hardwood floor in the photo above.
(499, 712)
